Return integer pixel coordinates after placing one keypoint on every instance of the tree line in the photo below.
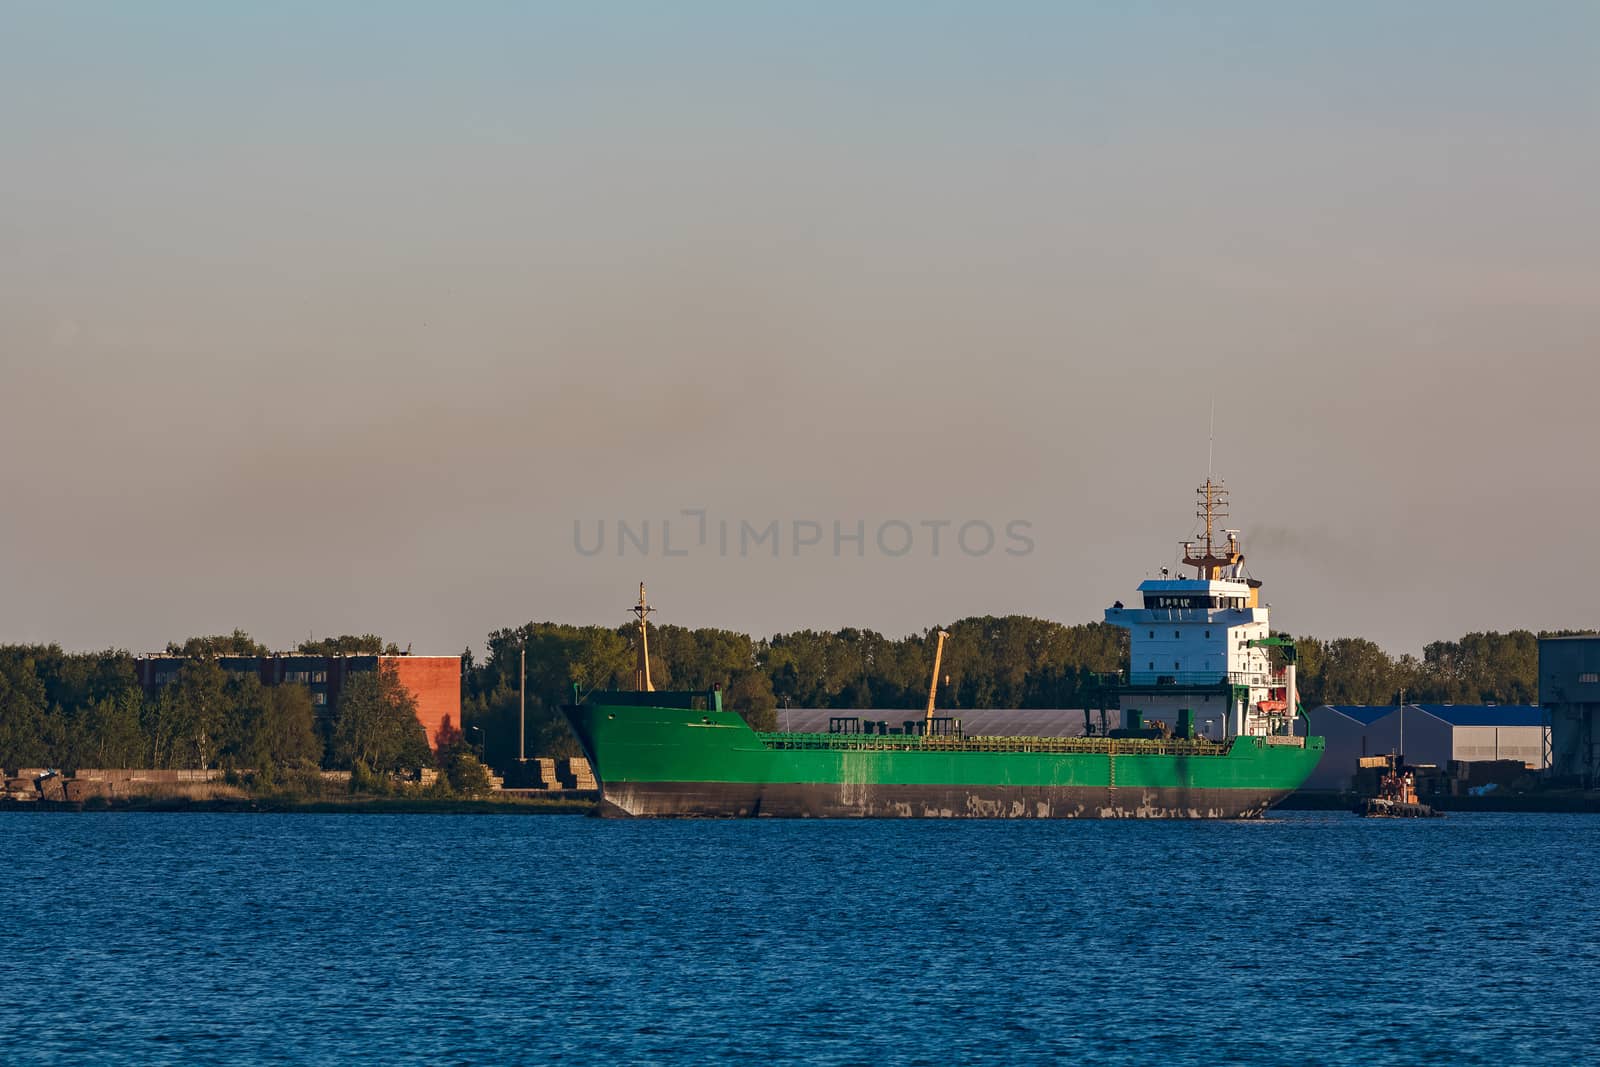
(71, 710)
(1477, 668)
(87, 709)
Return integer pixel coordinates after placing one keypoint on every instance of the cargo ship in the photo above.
(1209, 737)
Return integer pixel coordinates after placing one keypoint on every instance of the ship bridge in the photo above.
(1190, 599)
(1196, 644)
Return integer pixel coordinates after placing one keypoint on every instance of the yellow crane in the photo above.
(933, 685)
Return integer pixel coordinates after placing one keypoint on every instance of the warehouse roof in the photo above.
(1366, 714)
(1454, 714)
(1485, 714)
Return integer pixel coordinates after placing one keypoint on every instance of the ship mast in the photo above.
(1213, 506)
(641, 673)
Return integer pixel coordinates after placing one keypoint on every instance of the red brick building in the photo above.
(433, 681)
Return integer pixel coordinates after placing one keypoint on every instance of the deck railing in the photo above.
(1188, 679)
(1114, 746)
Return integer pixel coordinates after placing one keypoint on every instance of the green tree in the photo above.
(201, 712)
(237, 643)
(348, 644)
(281, 729)
(1356, 671)
(814, 669)
(466, 775)
(114, 736)
(161, 718)
(64, 740)
(74, 680)
(1482, 667)
(750, 694)
(376, 725)
(23, 710)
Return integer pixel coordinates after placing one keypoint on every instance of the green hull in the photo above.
(657, 758)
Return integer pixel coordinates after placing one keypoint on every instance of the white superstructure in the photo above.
(1200, 644)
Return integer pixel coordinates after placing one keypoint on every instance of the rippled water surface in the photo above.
(499, 939)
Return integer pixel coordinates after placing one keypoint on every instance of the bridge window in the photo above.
(1167, 601)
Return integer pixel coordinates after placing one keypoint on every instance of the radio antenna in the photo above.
(1211, 442)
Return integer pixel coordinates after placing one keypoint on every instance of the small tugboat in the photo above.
(1397, 797)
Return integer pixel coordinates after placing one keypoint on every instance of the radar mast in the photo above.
(1209, 562)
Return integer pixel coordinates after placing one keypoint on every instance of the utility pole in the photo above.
(522, 709)
(1402, 726)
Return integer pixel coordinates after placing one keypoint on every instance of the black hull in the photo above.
(826, 801)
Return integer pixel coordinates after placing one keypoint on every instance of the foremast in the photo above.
(641, 671)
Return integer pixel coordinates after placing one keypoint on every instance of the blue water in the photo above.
(297, 938)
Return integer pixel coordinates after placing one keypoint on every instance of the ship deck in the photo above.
(1088, 746)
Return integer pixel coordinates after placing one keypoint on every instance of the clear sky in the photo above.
(326, 317)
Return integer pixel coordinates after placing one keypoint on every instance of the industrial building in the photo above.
(433, 681)
(1569, 693)
(1425, 734)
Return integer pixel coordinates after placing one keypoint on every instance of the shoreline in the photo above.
(278, 805)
